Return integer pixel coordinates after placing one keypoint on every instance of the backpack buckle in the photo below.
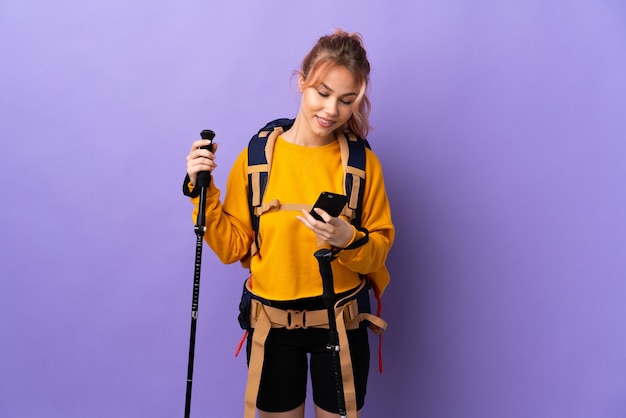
(296, 319)
(351, 310)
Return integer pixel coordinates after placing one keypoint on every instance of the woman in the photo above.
(284, 273)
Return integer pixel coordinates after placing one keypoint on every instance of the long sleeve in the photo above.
(370, 258)
(228, 227)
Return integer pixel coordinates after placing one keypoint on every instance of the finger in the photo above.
(305, 218)
(204, 164)
(310, 222)
(197, 144)
(200, 156)
(325, 216)
(200, 163)
(322, 229)
(198, 151)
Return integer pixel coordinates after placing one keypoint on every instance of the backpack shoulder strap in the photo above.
(260, 150)
(353, 161)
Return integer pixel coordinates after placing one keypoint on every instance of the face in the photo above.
(328, 105)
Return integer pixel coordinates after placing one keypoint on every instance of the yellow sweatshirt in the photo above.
(285, 268)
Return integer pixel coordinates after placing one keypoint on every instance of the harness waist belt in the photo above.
(295, 319)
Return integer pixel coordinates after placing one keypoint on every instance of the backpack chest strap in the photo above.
(275, 205)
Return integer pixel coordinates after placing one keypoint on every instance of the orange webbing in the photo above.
(345, 361)
(255, 367)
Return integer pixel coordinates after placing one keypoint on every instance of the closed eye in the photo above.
(344, 101)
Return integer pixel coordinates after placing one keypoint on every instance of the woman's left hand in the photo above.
(335, 231)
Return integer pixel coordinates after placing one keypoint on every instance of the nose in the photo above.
(331, 107)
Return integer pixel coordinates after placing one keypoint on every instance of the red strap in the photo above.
(245, 335)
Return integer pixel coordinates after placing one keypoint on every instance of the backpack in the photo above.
(260, 149)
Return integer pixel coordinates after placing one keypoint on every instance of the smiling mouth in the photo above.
(326, 123)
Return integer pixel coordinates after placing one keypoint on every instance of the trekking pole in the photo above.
(324, 258)
(202, 181)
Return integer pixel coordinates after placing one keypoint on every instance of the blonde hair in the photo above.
(342, 49)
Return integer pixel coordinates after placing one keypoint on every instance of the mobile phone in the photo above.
(332, 203)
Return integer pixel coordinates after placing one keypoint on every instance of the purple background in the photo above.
(502, 132)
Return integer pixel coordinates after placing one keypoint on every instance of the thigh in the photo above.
(323, 371)
(284, 375)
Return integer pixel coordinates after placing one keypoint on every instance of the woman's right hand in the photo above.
(200, 159)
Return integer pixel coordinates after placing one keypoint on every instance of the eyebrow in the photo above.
(332, 91)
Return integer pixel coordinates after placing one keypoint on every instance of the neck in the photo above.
(299, 135)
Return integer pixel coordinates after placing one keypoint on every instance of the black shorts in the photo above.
(288, 354)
